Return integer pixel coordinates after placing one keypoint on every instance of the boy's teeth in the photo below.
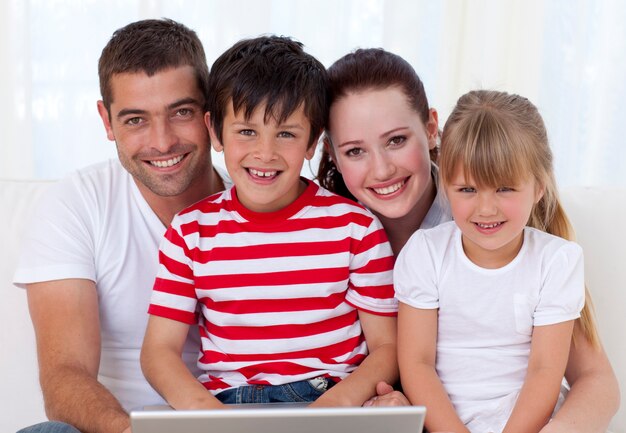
(389, 189)
(262, 173)
(167, 163)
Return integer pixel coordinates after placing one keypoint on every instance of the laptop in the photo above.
(281, 419)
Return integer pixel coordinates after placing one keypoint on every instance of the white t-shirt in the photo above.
(486, 316)
(96, 225)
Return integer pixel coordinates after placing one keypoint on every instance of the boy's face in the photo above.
(264, 159)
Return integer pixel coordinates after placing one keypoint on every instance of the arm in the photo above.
(162, 365)
(379, 365)
(67, 327)
(548, 356)
(417, 351)
(594, 396)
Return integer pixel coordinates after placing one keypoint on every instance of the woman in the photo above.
(380, 149)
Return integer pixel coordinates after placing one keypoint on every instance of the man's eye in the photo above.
(183, 112)
(134, 121)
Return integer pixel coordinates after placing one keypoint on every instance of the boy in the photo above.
(286, 280)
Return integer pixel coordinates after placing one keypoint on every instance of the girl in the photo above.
(381, 133)
(489, 300)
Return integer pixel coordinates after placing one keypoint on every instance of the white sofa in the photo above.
(598, 216)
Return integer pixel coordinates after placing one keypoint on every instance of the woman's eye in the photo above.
(397, 140)
(355, 151)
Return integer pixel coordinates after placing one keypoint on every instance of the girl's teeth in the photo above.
(488, 226)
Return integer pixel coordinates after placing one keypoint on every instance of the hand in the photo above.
(387, 396)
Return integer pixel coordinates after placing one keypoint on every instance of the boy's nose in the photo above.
(265, 149)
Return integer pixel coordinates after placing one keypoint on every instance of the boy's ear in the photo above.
(215, 143)
(432, 128)
(106, 120)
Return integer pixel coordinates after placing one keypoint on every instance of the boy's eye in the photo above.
(285, 134)
(397, 140)
(248, 132)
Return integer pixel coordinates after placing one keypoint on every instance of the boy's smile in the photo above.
(264, 158)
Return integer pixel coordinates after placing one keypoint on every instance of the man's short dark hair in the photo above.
(151, 46)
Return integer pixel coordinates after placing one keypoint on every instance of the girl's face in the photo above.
(380, 146)
(492, 219)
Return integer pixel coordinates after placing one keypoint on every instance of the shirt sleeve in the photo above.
(414, 274)
(370, 287)
(562, 294)
(60, 240)
(174, 296)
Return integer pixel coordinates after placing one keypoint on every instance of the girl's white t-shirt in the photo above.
(486, 316)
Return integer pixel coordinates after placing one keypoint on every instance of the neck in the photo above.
(166, 207)
(399, 230)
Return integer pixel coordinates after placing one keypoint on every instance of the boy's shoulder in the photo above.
(210, 204)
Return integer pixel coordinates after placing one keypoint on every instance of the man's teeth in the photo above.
(389, 189)
(168, 162)
(262, 173)
(488, 226)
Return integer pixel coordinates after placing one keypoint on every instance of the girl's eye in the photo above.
(467, 189)
(397, 140)
(355, 151)
(505, 189)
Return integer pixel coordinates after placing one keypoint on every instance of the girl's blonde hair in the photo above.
(500, 139)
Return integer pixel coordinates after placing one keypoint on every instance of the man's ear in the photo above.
(432, 128)
(106, 120)
(217, 145)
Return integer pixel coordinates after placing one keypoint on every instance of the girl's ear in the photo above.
(540, 190)
(328, 148)
(217, 145)
(432, 129)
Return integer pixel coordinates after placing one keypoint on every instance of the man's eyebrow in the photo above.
(184, 101)
(138, 112)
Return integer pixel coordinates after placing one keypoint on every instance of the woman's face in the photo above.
(380, 146)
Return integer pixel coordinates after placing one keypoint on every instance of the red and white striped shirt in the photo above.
(277, 292)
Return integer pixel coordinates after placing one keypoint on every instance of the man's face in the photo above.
(158, 126)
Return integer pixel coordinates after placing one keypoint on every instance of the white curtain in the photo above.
(567, 56)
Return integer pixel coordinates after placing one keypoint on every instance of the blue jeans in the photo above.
(50, 427)
(295, 392)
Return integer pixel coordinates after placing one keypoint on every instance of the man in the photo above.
(90, 257)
